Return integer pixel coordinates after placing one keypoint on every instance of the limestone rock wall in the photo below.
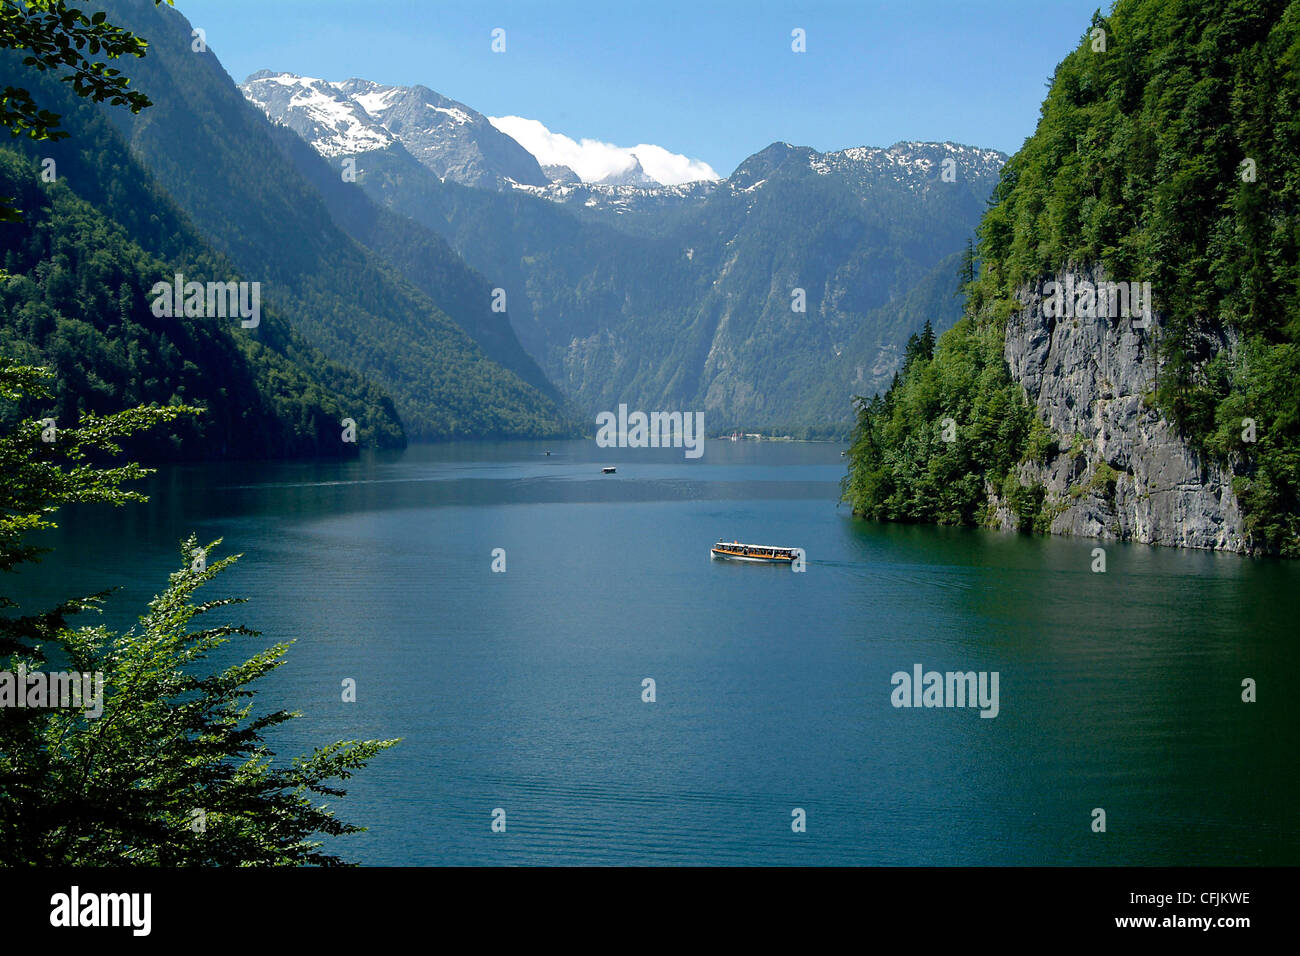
(1122, 471)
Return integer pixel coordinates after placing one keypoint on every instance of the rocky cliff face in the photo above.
(1120, 471)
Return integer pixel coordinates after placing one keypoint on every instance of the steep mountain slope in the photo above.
(215, 154)
(77, 301)
(685, 296)
(885, 330)
(82, 264)
(419, 255)
(1171, 157)
(563, 278)
(691, 301)
(854, 238)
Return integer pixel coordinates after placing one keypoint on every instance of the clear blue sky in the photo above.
(714, 80)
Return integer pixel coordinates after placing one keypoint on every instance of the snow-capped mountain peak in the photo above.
(358, 115)
(317, 111)
(916, 167)
(506, 153)
(634, 175)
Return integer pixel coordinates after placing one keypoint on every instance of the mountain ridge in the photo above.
(78, 301)
(684, 297)
(215, 154)
(453, 140)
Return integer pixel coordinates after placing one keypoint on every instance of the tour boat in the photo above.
(607, 471)
(760, 553)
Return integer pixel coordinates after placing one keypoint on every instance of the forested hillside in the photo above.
(76, 299)
(1168, 152)
(419, 255)
(214, 154)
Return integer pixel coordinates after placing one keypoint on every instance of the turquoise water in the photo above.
(523, 690)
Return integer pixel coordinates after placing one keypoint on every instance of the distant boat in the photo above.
(760, 553)
(608, 470)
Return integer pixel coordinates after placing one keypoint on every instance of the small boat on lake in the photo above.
(608, 470)
(759, 553)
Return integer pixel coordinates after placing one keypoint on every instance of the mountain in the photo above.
(560, 174)
(420, 256)
(907, 165)
(682, 297)
(319, 112)
(450, 139)
(882, 335)
(604, 202)
(685, 296)
(217, 157)
(1162, 168)
(81, 266)
(633, 175)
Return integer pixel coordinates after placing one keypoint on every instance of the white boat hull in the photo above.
(717, 556)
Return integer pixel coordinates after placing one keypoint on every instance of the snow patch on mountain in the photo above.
(916, 167)
(515, 153)
(331, 122)
(914, 164)
(358, 115)
(376, 101)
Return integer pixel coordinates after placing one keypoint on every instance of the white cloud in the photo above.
(593, 160)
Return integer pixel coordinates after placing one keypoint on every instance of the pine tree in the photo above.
(966, 273)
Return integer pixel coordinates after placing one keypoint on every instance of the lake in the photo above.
(523, 690)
